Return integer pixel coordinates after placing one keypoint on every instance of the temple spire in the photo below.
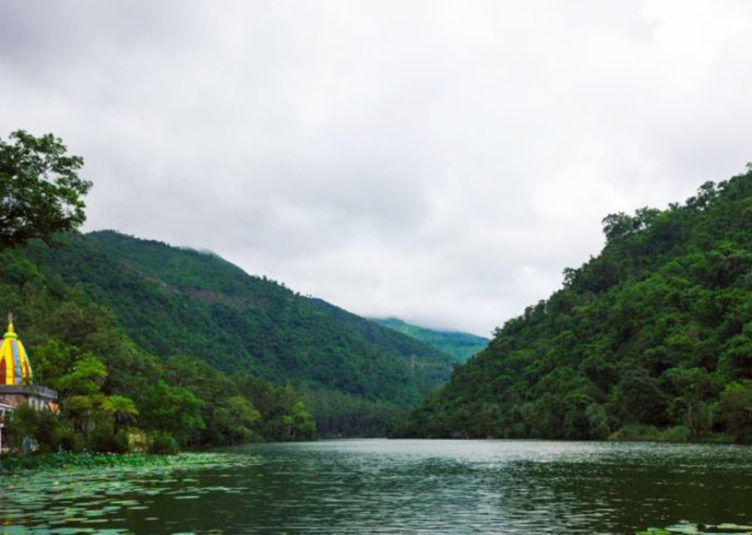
(14, 363)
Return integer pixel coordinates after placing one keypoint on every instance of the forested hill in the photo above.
(174, 301)
(461, 346)
(651, 337)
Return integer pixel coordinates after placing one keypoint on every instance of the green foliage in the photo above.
(698, 529)
(234, 420)
(283, 415)
(734, 410)
(162, 442)
(114, 394)
(40, 191)
(460, 346)
(56, 461)
(111, 390)
(121, 408)
(85, 379)
(655, 333)
(638, 398)
(174, 410)
(40, 430)
(175, 302)
(340, 414)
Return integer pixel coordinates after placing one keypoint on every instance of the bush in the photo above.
(677, 433)
(162, 442)
(27, 426)
(636, 432)
(65, 439)
(734, 410)
(104, 439)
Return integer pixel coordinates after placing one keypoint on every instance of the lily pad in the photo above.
(686, 528)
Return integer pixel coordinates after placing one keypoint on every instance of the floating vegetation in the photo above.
(54, 461)
(94, 493)
(686, 528)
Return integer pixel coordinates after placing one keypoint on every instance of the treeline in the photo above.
(114, 395)
(173, 301)
(651, 338)
(341, 415)
(460, 346)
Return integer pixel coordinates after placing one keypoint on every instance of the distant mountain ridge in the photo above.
(178, 301)
(459, 345)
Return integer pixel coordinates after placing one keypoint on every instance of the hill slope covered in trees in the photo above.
(113, 395)
(112, 391)
(652, 335)
(461, 346)
(175, 302)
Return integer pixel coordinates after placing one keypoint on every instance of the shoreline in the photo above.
(14, 462)
(11, 463)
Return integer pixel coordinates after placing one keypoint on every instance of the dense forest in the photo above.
(114, 395)
(172, 302)
(154, 347)
(460, 346)
(651, 338)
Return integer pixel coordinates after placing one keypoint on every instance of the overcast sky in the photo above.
(437, 161)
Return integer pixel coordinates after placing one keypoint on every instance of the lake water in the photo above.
(393, 486)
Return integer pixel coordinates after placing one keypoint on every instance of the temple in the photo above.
(14, 364)
(17, 381)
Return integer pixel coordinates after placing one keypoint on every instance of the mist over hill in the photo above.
(461, 346)
(178, 301)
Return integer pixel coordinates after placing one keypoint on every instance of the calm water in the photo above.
(399, 486)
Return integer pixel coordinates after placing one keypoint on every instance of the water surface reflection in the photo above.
(400, 486)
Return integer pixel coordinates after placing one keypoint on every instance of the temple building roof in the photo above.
(14, 362)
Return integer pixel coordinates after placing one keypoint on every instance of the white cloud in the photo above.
(437, 161)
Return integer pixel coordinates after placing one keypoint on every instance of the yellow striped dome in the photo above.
(14, 363)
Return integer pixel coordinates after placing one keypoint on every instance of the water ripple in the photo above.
(379, 486)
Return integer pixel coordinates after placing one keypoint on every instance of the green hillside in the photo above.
(112, 392)
(460, 346)
(175, 302)
(653, 337)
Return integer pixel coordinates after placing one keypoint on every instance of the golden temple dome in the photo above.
(14, 363)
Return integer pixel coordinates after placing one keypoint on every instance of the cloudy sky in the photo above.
(437, 161)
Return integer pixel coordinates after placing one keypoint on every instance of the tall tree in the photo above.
(40, 190)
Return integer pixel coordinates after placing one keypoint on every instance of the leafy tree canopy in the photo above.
(40, 190)
(653, 337)
(179, 302)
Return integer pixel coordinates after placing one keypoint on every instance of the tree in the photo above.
(40, 190)
(617, 225)
(122, 409)
(734, 410)
(173, 410)
(692, 387)
(637, 398)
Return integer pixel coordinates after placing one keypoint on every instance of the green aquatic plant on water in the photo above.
(53, 461)
(80, 498)
(686, 528)
(11, 464)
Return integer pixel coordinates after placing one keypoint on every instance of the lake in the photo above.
(392, 486)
